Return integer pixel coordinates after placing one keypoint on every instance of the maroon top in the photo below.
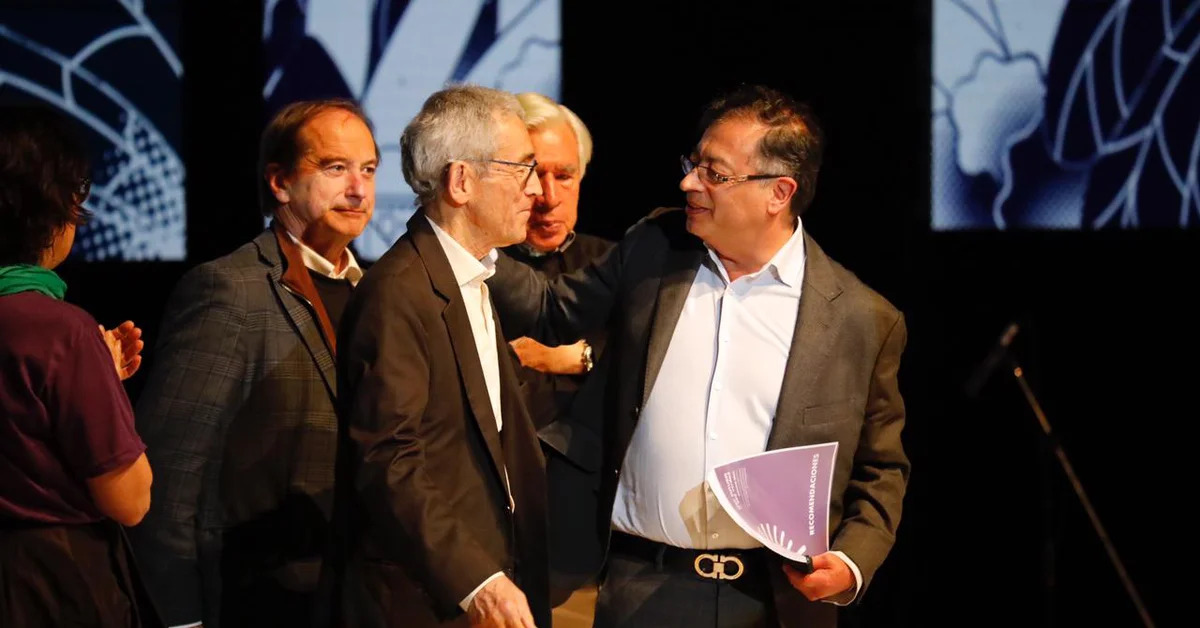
(64, 416)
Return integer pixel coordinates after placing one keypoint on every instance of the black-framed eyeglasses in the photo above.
(712, 177)
(531, 166)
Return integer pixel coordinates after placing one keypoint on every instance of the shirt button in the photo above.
(712, 436)
(715, 535)
(716, 385)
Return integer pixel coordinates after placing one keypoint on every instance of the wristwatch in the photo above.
(586, 358)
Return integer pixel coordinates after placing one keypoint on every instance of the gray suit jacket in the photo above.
(840, 383)
(239, 422)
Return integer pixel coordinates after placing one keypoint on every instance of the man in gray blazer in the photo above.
(731, 333)
(238, 413)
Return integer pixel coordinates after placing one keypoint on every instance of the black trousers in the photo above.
(642, 589)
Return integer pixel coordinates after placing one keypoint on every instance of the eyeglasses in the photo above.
(531, 166)
(82, 190)
(712, 177)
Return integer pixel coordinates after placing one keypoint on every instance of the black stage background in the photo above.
(1108, 340)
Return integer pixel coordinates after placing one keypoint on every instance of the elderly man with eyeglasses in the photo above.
(730, 333)
(441, 483)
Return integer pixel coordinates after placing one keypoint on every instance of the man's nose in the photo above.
(533, 186)
(356, 185)
(549, 198)
(691, 181)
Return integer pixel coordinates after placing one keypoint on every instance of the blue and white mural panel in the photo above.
(1065, 114)
(114, 68)
(390, 55)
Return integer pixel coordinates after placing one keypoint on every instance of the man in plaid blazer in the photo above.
(238, 413)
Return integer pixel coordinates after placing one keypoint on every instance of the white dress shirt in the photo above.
(471, 274)
(315, 262)
(713, 401)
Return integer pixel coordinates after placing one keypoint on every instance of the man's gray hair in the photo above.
(541, 112)
(456, 123)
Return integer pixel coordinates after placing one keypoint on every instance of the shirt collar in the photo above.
(317, 263)
(786, 266)
(532, 252)
(467, 270)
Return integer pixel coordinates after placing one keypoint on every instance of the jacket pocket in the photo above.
(845, 410)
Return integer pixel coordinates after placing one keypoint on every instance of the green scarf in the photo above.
(28, 278)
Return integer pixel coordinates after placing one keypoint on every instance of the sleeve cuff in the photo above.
(191, 625)
(846, 597)
(465, 604)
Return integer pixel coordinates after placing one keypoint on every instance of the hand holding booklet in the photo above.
(781, 498)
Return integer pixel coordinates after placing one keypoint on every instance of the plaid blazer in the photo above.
(239, 421)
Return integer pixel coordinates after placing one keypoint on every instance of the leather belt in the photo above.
(713, 565)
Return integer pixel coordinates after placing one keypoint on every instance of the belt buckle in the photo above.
(717, 564)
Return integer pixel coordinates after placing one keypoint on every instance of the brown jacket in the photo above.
(421, 494)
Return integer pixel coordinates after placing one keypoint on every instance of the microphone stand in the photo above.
(1019, 374)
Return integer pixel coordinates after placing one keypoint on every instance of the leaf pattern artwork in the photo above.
(1095, 127)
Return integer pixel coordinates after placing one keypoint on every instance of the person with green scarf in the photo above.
(73, 469)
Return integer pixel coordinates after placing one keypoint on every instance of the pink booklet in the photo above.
(781, 497)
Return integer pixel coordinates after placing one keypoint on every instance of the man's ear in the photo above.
(459, 182)
(783, 190)
(276, 177)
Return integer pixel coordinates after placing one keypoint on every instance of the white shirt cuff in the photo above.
(465, 604)
(846, 597)
(191, 625)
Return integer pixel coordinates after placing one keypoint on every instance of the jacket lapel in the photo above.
(458, 326)
(679, 271)
(812, 340)
(295, 290)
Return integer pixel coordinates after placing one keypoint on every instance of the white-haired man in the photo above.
(441, 490)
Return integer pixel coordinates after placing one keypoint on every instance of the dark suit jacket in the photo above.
(551, 400)
(547, 396)
(423, 513)
(840, 383)
(239, 422)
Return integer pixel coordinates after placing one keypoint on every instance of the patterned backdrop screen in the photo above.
(114, 68)
(1057, 114)
(390, 55)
